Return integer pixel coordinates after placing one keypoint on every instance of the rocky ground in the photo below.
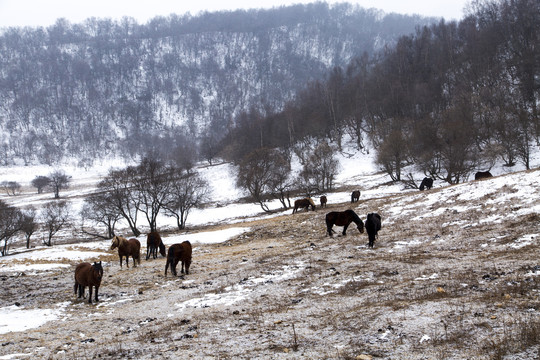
(458, 283)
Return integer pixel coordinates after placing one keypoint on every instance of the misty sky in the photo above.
(45, 12)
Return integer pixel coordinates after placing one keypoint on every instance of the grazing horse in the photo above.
(89, 275)
(482, 175)
(179, 252)
(153, 242)
(427, 183)
(343, 218)
(373, 225)
(355, 196)
(304, 203)
(127, 248)
(324, 200)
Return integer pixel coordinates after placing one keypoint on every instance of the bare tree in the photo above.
(10, 224)
(152, 182)
(11, 187)
(59, 181)
(260, 173)
(40, 182)
(99, 210)
(320, 169)
(55, 216)
(187, 192)
(118, 195)
(29, 224)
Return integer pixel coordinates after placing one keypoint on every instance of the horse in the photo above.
(427, 183)
(179, 252)
(89, 275)
(323, 201)
(373, 225)
(304, 203)
(153, 241)
(482, 175)
(343, 218)
(355, 196)
(127, 248)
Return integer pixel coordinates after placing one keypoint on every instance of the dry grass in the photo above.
(445, 287)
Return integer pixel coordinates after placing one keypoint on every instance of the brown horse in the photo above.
(127, 248)
(153, 242)
(324, 200)
(89, 275)
(482, 175)
(355, 196)
(304, 203)
(343, 218)
(179, 252)
(373, 225)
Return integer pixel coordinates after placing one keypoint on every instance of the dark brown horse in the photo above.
(324, 200)
(153, 242)
(343, 218)
(427, 183)
(482, 175)
(355, 196)
(304, 203)
(179, 252)
(127, 248)
(89, 275)
(373, 225)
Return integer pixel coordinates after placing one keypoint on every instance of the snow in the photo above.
(14, 318)
(356, 170)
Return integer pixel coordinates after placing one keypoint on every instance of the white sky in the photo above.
(46, 12)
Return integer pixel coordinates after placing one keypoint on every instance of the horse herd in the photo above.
(90, 275)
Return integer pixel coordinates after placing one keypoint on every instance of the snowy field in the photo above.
(495, 199)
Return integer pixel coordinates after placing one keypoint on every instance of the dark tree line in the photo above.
(450, 99)
(106, 87)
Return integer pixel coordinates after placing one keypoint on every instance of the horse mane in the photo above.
(310, 201)
(355, 217)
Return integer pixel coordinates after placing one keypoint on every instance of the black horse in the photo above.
(427, 183)
(482, 175)
(373, 225)
(343, 218)
(355, 196)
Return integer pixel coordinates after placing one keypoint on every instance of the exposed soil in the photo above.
(446, 287)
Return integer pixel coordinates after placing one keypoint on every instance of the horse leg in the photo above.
(173, 267)
(329, 229)
(90, 294)
(120, 260)
(188, 263)
(97, 287)
(345, 229)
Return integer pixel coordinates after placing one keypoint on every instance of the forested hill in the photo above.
(105, 87)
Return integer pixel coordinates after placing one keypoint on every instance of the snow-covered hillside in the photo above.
(453, 274)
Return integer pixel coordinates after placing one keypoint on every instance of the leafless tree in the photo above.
(40, 182)
(187, 192)
(59, 181)
(29, 224)
(10, 224)
(11, 188)
(55, 216)
(261, 173)
(99, 210)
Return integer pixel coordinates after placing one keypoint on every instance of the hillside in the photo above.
(118, 87)
(454, 275)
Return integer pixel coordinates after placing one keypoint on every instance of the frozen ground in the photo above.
(454, 275)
